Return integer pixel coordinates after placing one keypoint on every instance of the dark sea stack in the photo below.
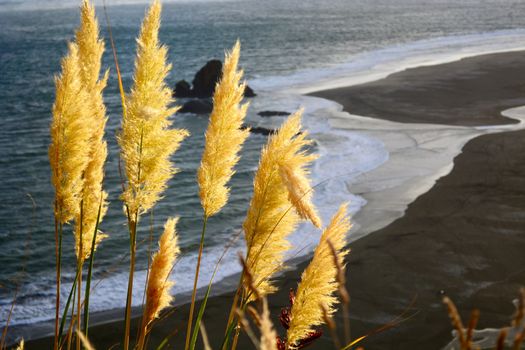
(273, 114)
(198, 106)
(259, 130)
(204, 83)
(206, 78)
(248, 92)
(182, 89)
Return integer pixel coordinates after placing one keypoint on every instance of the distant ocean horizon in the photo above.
(288, 47)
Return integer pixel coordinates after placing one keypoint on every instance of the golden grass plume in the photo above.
(224, 136)
(271, 216)
(70, 138)
(90, 50)
(318, 281)
(158, 288)
(295, 176)
(146, 139)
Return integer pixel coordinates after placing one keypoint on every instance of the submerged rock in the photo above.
(197, 106)
(248, 92)
(259, 130)
(273, 114)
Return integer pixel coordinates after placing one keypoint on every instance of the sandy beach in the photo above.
(464, 237)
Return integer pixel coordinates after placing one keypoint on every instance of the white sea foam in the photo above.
(369, 66)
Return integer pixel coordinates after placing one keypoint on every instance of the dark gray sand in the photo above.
(472, 91)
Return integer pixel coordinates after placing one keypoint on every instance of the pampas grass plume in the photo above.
(318, 281)
(90, 49)
(300, 192)
(146, 140)
(158, 289)
(70, 138)
(224, 136)
(271, 216)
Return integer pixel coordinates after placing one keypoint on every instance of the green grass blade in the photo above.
(64, 314)
(229, 331)
(208, 290)
(199, 315)
(90, 273)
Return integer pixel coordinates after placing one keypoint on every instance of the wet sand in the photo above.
(465, 237)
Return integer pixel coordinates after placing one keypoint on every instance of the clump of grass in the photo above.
(513, 336)
(283, 197)
(78, 152)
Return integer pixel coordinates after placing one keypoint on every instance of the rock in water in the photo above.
(248, 92)
(273, 114)
(182, 89)
(204, 82)
(197, 107)
(259, 130)
(206, 78)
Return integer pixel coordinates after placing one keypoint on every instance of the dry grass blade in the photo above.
(254, 315)
(518, 339)
(500, 344)
(249, 280)
(474, 318)
(204, 335)
(455, 319)
(343, 292)
(268, 333)
(520, 309)
(396, 321)
(245, 326)
(85, 341)
(332, 327)
(21, 345)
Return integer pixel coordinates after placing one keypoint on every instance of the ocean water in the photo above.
(288, 47)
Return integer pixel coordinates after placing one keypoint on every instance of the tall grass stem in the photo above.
(58, 254)
(194, 293)
(127, 316)
(90, 274)
(66, 308)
